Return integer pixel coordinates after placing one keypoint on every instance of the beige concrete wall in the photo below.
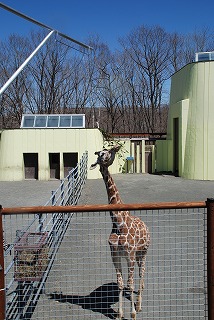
(14, 143)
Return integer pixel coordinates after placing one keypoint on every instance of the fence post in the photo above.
(2, 280)
(210, 257)
(62, 192)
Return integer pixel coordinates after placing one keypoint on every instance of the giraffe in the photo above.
(129, 237)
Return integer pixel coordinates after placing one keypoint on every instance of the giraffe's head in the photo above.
(105, 157)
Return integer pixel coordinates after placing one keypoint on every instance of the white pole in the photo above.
(25, 63)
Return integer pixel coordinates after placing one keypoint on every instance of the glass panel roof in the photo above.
(53, 121)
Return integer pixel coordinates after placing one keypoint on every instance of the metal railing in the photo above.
(70, 188)
(54, 226)
(180, 263)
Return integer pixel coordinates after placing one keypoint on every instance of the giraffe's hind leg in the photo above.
(141, 261)
(116, 258)
(131, 263)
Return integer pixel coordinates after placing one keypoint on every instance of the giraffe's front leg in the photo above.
(121, 287)
(141, 260)
(130, 284)
(118, 267)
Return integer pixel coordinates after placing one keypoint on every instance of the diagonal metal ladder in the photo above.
(22, 296)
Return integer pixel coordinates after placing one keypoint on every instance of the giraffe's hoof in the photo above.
(138, 307)
(134, 316)
(119, 316)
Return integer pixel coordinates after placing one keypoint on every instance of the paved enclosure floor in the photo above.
(133, 188)
(26, 193)
(144, 188)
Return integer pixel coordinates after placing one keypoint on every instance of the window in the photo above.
(65, 121)
(40, 121)
(53, 121)
(28, 121)
(204, 56)
(77, 121)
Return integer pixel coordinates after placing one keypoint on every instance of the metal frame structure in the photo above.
(51, 32)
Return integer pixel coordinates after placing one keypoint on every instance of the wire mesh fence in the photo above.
(81, 283)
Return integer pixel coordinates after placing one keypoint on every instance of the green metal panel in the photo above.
(192, 101)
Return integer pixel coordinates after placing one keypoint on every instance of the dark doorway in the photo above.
(31, 165)
(70, 161)
(148, 161)
(54, 161)
(176, 146)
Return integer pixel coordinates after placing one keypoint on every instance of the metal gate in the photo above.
(31, 245)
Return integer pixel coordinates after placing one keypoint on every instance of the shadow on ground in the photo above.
(100, 300)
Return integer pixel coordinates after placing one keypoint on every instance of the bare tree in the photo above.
(123, 91)
(198, 41)
(50, 75)
(176, 58)
(12, 55)
(149, 49)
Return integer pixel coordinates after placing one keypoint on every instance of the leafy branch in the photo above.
(109, 142)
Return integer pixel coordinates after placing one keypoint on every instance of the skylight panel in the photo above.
(53, 121)
(28, 121)
(40, 121)
(65, 121)
(77, 121)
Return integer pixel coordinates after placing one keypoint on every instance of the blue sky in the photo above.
(110, 19)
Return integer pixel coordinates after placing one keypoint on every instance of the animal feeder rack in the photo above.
(31, 256)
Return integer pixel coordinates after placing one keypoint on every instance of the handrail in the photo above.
(103, 207)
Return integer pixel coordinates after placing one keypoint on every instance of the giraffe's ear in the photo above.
(93, 166)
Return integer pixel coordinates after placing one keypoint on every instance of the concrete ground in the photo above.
(133, 188)
(144, 188)
(26, 193)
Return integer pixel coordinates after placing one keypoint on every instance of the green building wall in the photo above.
(192, 104)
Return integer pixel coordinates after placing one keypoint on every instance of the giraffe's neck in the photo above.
(117, 217)
(112, 191)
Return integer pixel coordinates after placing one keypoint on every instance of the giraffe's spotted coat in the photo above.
(129, 238)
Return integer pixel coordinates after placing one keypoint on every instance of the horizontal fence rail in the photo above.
(104, 207)
(81, 280)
